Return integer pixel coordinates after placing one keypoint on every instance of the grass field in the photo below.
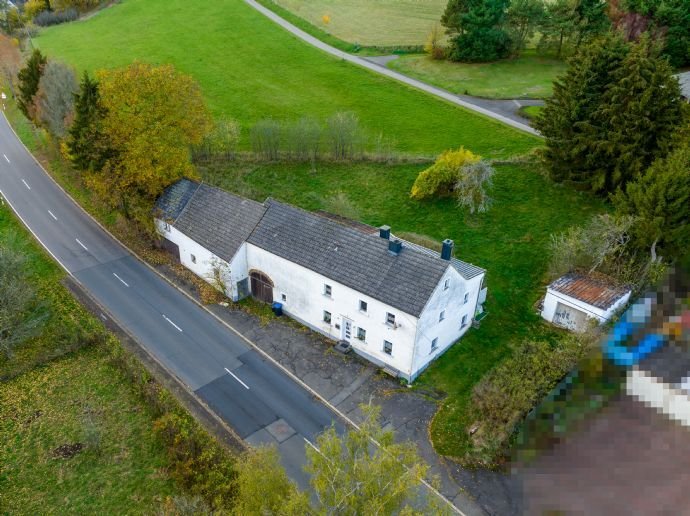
(250, 69)
(366, 22)
(78, 398)
(509, 241)
(530, 112)
(528, 76)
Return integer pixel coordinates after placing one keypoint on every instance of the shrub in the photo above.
(265, 136)
(510, 390)
(304, 139)
(48, 18)
(344, 135)
(434, 46)
(340, 204)
(440, 179)
(475, 179)
(220, 143)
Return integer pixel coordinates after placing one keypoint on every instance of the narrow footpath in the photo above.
(491, 109)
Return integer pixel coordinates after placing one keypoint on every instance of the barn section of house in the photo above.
(573, 300)
(398, 304)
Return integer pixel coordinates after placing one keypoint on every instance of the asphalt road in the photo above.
(256, 398)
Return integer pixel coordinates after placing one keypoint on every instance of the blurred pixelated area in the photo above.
(614, 436)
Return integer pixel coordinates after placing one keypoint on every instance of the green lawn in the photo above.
(378, 23)
(530, 112)
(78, 398)
(528, 76)
(249, 69)
(509, 241)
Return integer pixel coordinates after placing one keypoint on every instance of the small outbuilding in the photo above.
(684, 81)
(575, 299)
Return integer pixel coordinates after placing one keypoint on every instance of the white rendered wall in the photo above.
(205, 259)
(448, 331)
(659, 395)
(306, 302)
(553, 298)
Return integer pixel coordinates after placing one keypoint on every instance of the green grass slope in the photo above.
(249, 68)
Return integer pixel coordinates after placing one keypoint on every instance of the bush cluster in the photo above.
(48, 18)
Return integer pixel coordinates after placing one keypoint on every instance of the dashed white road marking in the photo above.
(52, 215)
(79, 242)
(6, 158)
(175, 325)
(121, 280)
(235, 377)
(26, 184)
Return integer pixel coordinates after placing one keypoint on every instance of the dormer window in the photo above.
(390, 319)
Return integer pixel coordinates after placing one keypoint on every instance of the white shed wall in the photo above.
(448, 331)
(305, 301)
(553, 298)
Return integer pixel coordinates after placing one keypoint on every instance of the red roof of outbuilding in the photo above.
(599, 291)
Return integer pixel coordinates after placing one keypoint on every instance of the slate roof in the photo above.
(599, 292)
(214, 218)
(173, 200)
(350, 257)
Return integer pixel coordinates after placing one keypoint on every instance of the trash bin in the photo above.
(277, 308)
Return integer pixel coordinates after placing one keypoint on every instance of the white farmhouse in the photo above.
(398, 304)
(573, 300)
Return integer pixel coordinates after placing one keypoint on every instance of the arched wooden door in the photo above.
(262, 286)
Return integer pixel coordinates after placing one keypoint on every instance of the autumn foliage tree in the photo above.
(153, 115)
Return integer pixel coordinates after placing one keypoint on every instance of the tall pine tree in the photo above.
(611, 115)
(566, 121)
(635, 120)
(660, 199)
(29, 78)
(87, 143)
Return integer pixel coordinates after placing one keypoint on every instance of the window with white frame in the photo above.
(464, 321)
(442, 315)
(446, 284)
(390, 319)
(434, 345)
(361, 334)
(363, 306)
(387, 347)
(193, 258)
(467, 297)
(327, 316)
(327, 290)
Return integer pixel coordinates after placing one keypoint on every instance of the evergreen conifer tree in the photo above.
(87, 144)
(29, 78)
(660, 199)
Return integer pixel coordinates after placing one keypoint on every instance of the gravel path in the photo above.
(490, 108)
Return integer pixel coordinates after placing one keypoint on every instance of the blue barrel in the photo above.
(277, 308)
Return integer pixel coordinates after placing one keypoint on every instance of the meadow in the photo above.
(380, 23)
(250, 69)
(527, 76)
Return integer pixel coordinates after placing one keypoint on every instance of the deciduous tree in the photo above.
(29, 78)
(153, 115)
(55, 97)
(523, 17)
(472, 185)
